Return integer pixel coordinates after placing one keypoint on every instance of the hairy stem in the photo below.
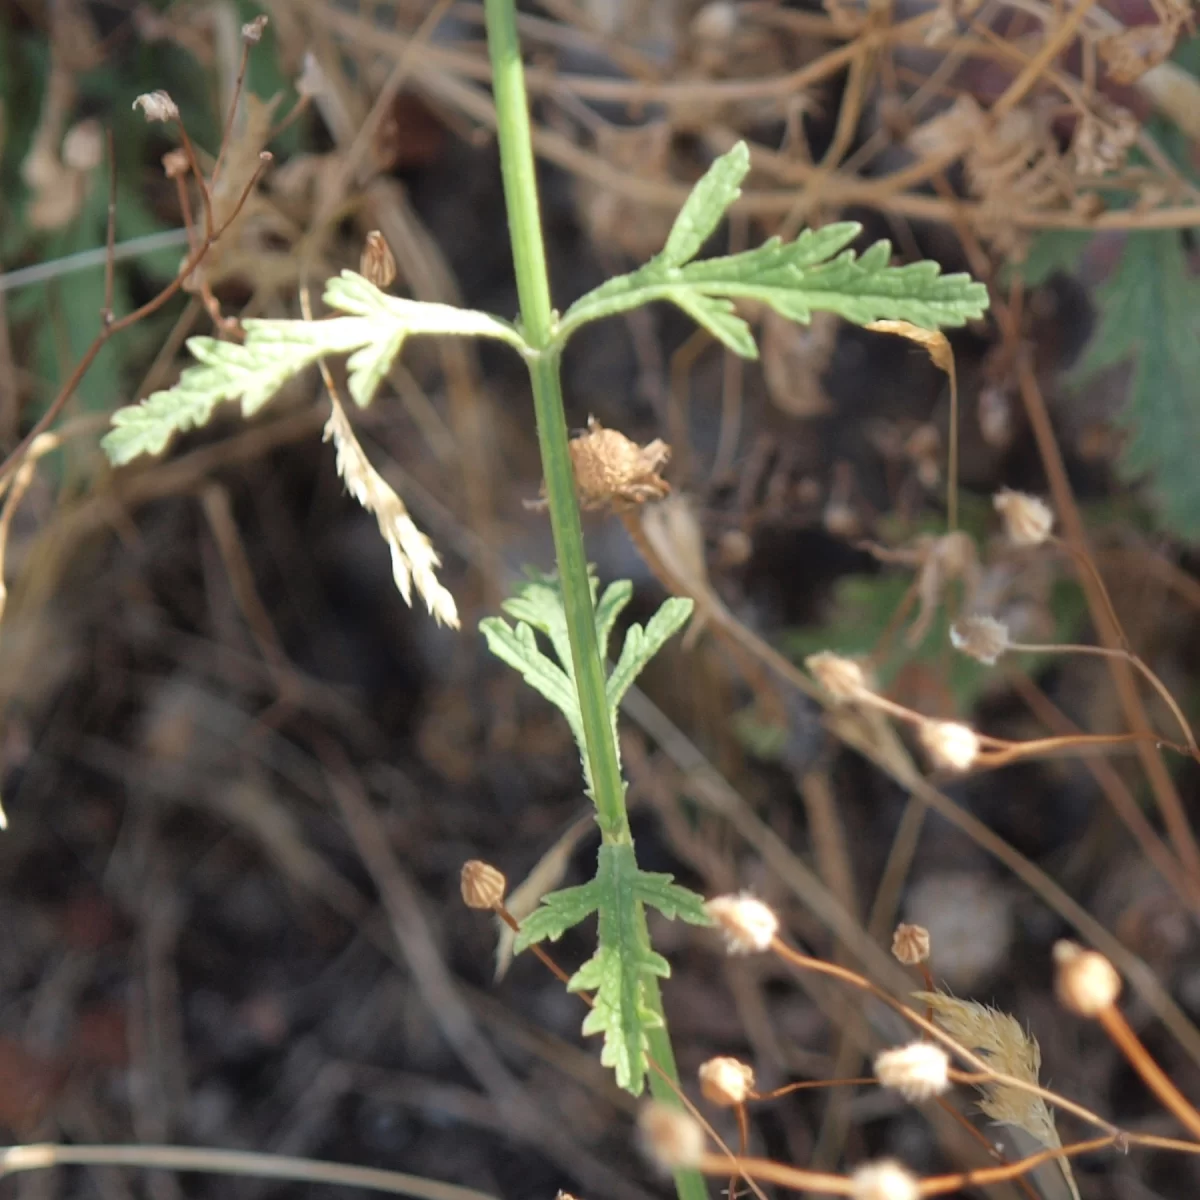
(538, 325)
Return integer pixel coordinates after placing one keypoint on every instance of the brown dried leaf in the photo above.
(935, 343)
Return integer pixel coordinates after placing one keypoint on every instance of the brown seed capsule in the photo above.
(482, 885)
(612, 470)
(910, 944)
(726, 1081)
(1086, 982)
(377, 264)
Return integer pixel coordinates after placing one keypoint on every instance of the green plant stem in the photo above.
(538, 321)
(538, 325)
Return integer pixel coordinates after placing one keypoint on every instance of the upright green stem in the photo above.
(537, 319)
(538, 323)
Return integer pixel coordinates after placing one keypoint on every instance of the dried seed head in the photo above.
(917, 1071)
(175, 163)
(1086, 982)
(482, 885)
(673, 1138)
(884, 1180)
(377, 264)
(981, 638)
(910, 944)
(611, 470)
(312, 80)
(83, 146)
(949, 744)
(841, 677)
(252, 31)
(157, 106)
(748, 924)
(726, 1081)
(1028, 521)
(715, 22)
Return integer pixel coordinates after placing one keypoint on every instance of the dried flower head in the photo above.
(83, 146)
(726, 1081)
(910, 944)
(377, 264)
(1085, 981)
(748, 924)
(311, 81)
(482, 885)
(981, 638)
(673, 1138)
(843, 678)
(175, 163)
(883, 1180)
(917, 1071)
(252, 31)
(1028, 521)
(611, 470)
(157, 106)
(949, 744)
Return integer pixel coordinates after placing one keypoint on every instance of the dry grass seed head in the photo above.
(1009, 1050)
(843, 678)
(414, 559)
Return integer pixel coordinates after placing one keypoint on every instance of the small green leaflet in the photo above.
(816, 272)
(372, 333)
(537, 606)
(618, 971)
(1150, 315)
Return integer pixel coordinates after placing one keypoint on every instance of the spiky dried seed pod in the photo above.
(949, 744)
(884, 1180)
(673, 1138)
(1028, 521)
(841, 677)
(910, 944)
(175, 163)
(157, 106)
(981, 638)
(917, 1071)
(748, 924)
(1085, 981)
(611, 470)
(377, 264)
(726, 1081)
(482, 885)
